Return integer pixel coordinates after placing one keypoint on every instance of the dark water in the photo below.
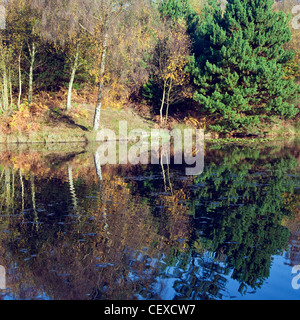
(150, 232)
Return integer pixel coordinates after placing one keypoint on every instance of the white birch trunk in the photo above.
(5, 90)
(71, 186)
(74, 69)
(163, 102)
(20, 82)
(168, 100)
(32, 56)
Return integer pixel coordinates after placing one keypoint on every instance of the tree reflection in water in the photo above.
(146, 232)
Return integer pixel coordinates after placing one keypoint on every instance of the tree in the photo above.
(169, 61)
(7, 49)
(130, 52)
(238, 65)
(292, 6)
(29, 38)
(5, 74)
(19, 41)
(16, 22)
(61, 24)
(175, 10)
(77, 24)
(169, 80)
(98, 17)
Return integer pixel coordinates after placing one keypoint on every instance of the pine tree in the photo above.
(238, 64)
(174, 9)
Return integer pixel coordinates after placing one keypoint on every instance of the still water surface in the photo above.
(149, 232)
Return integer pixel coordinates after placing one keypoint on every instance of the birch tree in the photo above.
(61, 23)
(17, 33)
(168, 68)
(100, 16)
(5, 77)
(64, 21)
(25, 35)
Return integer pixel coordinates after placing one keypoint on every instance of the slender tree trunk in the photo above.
(20, 82)
(10, 90)
(169, 178)
(97, 162)
(74, 69)
(97, 115)
(163, 172)
(22, 190)
(71, 186)
(2, 100)
(168, 99)
(7, 188)
(13, 186)
(5, 90)
(163, 102)
(32, 52)
(36, 217)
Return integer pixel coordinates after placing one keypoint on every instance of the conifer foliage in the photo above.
(175, 9)
(225, 63)
(238, 64)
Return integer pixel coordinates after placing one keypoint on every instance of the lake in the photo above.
(70, 230)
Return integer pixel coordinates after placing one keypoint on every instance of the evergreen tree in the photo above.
(238, 64)
(174, 9)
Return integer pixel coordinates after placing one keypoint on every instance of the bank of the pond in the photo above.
(79, 130)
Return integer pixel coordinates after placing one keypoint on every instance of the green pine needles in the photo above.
(238, 64)
(174, 9)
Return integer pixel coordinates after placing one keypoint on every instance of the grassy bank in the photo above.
(75, 126)
(60, 126)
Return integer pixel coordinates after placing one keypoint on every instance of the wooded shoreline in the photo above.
(231, 68)
(70, 135)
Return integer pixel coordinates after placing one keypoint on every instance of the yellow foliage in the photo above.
(173, 68)
(26, 119)
(194, 122)
(292, 68)
(116, 94)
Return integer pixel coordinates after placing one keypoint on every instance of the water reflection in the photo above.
(72, 230)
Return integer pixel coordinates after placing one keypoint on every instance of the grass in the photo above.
(240, 141)
(77, 126)
(112, 118)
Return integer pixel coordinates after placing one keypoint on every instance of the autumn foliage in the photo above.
(110, 55)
